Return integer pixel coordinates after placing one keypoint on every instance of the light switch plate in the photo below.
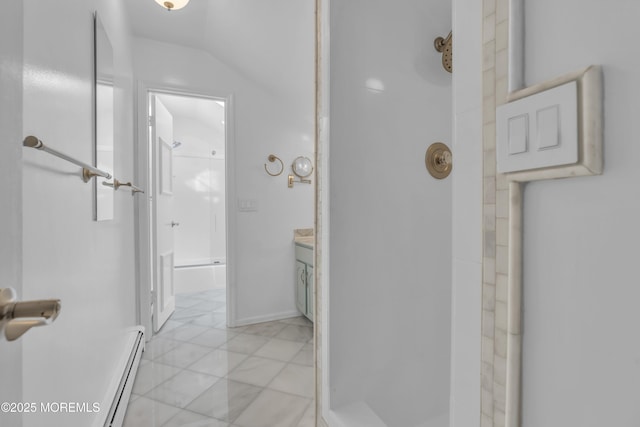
(247, 205)
(552, 129)
(538, 131)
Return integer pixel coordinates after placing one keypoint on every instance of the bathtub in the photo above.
(359, 414)
(198, 278)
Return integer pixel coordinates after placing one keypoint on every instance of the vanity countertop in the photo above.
(306, 241)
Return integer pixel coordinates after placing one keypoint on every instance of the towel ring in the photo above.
(272, 158)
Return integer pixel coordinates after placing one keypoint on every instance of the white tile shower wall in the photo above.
(88, 265)
(265, 268)
(581, 234)
(192, 211)
(199, 188)
(390, 98)
(467, 214)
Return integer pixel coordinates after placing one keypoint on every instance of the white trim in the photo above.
(195, 262)
(111, 397)
(466, 185)
(515, 74)
(231, 212)
(266, 318)
(143, 249)
(322, 199)
(142, 212)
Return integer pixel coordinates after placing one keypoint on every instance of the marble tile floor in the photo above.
(198, 373)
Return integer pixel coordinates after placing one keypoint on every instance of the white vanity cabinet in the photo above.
(301, 286)
(304, 280)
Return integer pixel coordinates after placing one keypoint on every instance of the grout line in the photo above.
(166, 335)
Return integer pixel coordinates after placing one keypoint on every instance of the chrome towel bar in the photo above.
(88, 171)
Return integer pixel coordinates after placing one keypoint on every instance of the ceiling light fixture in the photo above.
(173, 4)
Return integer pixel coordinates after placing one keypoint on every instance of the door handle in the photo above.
(17, 317)
(174, 224)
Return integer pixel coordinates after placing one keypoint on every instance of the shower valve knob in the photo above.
(174, 224)
(439, 160)
(443, 159)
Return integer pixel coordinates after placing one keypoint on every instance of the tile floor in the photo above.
(198, 373)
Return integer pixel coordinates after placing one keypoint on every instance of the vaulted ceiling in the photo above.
(271, 42)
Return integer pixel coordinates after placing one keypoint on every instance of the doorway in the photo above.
(199, 224)
(183, 249)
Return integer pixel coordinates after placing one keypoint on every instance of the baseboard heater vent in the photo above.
(115, 417)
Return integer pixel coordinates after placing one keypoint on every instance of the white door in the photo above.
(11, 195)
(164, 301)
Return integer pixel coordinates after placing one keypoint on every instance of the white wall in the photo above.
(581, 346)
(390, 221)
(88, 265)
(467, 214)
(11, 28)
(264, 124)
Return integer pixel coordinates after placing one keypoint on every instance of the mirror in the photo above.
(302, 167)
(104, 122)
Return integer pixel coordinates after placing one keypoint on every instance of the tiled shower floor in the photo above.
(198, 373)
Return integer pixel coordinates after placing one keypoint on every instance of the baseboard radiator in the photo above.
(118, 408)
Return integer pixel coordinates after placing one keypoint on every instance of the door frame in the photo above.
(142, 165)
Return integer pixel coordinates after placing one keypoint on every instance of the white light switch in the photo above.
(538, 131)
(548, 127)
(247, 205)
(518, 134)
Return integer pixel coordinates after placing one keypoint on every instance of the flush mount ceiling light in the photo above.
(173, 4)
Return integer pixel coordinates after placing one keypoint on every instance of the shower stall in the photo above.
(388, 302)
(198, 185)
(199, 207)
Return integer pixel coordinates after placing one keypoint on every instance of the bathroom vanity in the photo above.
(304, 275)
